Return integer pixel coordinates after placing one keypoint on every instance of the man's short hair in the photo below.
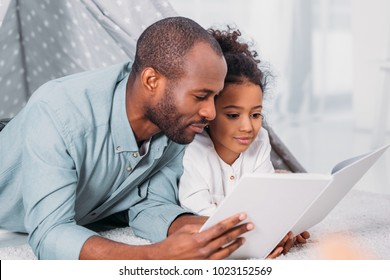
(164, 44)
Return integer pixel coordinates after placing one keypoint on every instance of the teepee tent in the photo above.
(45, 39)
(41, 40)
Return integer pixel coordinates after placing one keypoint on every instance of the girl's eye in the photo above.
(232, 116)
(257, 116)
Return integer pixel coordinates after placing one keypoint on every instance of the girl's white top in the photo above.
(207, 179)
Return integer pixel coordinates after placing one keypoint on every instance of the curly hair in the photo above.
(164, 44)
(242, 62)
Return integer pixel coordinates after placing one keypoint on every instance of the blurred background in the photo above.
(330, 60)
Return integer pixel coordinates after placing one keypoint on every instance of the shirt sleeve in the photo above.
(152, 217)
(263, 162)
(194, 191)
(49, 184)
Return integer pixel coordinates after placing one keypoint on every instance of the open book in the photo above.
(279, 203)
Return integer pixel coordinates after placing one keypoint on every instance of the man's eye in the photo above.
(200, 97)
(232, 116)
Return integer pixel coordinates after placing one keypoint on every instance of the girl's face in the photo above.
(238, 119)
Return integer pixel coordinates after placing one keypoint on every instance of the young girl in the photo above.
(234, 142)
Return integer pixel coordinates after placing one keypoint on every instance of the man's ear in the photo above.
(150, 79)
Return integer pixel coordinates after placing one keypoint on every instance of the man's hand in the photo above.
(218, 242)
(184, 242)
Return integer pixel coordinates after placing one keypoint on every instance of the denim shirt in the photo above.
(70, 158)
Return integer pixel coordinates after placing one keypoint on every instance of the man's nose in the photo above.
(207, 110)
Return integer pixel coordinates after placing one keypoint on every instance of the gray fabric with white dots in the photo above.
(45, 39)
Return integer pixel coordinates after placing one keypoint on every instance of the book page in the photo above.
(273, 202)
(343, 181)
(346, 162)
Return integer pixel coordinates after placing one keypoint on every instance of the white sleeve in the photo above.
(263, 150)
(194, 187)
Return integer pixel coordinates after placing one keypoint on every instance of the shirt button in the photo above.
(135, 155)
(118, 148)
(232, 177)
(129, 168)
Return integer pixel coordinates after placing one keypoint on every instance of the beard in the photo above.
(171, 122)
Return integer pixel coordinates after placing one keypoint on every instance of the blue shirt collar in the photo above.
(122, 133)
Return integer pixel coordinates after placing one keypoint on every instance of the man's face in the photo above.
(186, 105)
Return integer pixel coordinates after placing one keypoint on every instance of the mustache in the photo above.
(202, 121)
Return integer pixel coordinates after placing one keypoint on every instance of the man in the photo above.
(110, 142)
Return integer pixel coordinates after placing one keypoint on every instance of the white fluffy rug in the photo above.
(359, 227)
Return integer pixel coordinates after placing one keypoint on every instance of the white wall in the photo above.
(371, 45)
(269, 23)
(266, 22)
